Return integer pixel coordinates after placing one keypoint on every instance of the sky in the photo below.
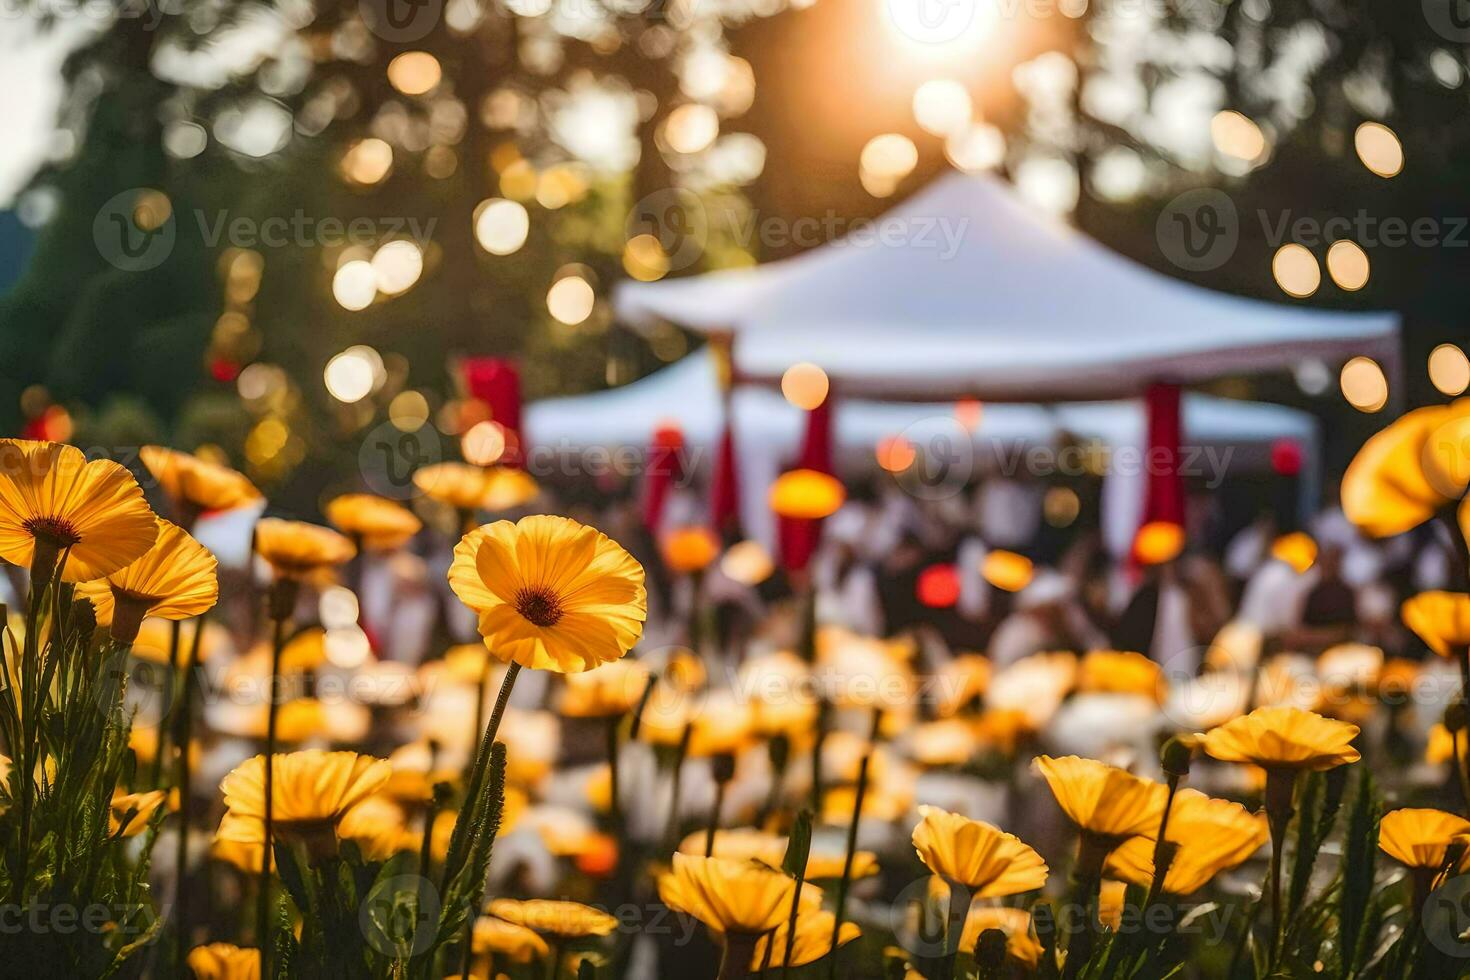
(30, 95)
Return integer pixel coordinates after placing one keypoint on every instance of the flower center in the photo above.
(54, 529)
(539, 606)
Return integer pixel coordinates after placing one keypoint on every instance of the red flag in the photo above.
(662, 466)
(798, 538)
(496, 382)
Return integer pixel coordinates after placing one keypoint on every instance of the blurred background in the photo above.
(499, 159)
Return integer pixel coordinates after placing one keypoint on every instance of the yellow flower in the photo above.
(1421, 838)
(224, 961)
(521, 945)
(1104, 800)
(608, 691)
(742, 897)
(1021, 945)
(241, 855)
(379, 523)
(985, 859)
(378, 827)
(1121, 672)
(296, 550)
(550, 593)
(174, 579)
(813, 939)
(1212, 836)
(806, 495)
(131, 812)
(1441, 619)
(311, 792)
(1158, 542)
(565, 920)
(466, 488)
(1387, 488)
(1006, 570)
(53, 500)
(1295, 549)
(195, 485)
(1284, 738)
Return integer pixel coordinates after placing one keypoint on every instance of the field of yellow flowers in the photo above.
(330, 862)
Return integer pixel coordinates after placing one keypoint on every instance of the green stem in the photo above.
(175, 647)
(845, 882)
(1087, 879)
(739, 950)
(263, 897)
(1280, 788)
(185, 723)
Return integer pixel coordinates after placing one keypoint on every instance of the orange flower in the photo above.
(1393, 485)
(311, 792)
(983, 858)
(194, 485)
(1021, 944)
(1421, 838)
(806, 495)
(467, 488)
(742, 897)
(224, 961)
(605, 692)
(551, 594)
(1284, 738)
(52, 500)
(566, 920)
(379, 523)
(1441, 619)
(1211, 836)
(689, 549)
(1103, 800)
(296, 550)
(175, 579)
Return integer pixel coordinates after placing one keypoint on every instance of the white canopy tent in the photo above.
(961, 291)
(769, 430)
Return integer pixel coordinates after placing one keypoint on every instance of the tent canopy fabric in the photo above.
(961, 291)
(769, 430)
